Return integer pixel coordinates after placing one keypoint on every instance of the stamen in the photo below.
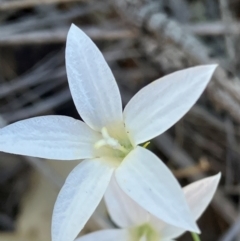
(109, 141)
(112, 142)
(121, 148)
(100, 143)
(105, 133)
(143, 238)
(146, 144)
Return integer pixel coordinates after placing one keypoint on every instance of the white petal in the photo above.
(52, 137)
(162, 103)
(122, 209)
(107, 235)
(148, 181)
(92, 84)
(79, 197)
(198, 195)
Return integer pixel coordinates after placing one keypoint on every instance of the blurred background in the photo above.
(141, 40)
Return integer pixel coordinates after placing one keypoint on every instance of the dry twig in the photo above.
(20, 4)
(59, 36)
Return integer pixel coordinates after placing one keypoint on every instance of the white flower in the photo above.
(108, 141)
(138, 225)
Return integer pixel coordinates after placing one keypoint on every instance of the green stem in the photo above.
(195, 237)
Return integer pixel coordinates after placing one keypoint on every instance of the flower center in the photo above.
(145, 233)
(110, 141)
(114, 142)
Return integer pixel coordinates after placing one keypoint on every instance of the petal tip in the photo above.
(197, 230)
(193, 227)
(73, 26)
(216, 178)
(212, 67)
(74, 30)
(219, 175)
(209, 68)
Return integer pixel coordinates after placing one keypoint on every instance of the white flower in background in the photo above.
(138, 225)
(108, 141)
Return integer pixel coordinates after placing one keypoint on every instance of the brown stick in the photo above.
(59, 36)
(213, 28)
(20, 4)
